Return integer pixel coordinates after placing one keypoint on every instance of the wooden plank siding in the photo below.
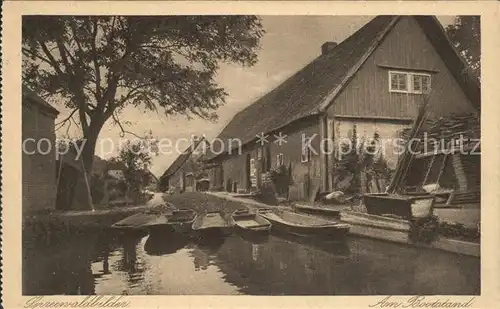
(406, 46)
(304, 174)
(389, 132)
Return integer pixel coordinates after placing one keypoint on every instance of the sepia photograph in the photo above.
(251, 155)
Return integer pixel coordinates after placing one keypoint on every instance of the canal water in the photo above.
(278, 265)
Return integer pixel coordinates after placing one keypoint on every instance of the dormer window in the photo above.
(409, 82)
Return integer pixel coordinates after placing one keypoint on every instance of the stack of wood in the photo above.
(466, 197)
(449, 128)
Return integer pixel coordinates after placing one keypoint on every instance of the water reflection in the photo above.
(201, 259)
(239, 264)
(159, 245)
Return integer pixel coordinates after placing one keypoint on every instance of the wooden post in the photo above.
(323, 156)
(459, 172)
(58, 178)
(87, 185)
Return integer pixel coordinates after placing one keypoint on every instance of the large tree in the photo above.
(465, 33)
(98, 65)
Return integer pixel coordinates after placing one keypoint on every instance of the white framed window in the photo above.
(305, 155)
(421, 83)
(279, 159)
(409, 82)
(398, 82)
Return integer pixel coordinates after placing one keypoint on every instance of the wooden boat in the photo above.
(304, 225)
(327, 211)
(213, 223)
(407, 207)
(179, 220)
(250, 221)
(140, 222)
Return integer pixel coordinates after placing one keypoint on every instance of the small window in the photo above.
(305, 155)
(399, 82)
(408, 82)
(279, 159)
(421, 83)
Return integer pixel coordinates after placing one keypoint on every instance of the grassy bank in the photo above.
(201, 202)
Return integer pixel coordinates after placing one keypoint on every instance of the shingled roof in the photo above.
(181, 159)
(310, 91)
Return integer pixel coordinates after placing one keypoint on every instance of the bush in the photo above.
(427, 230)
(459, 231)
(424, 230)
(281, 178)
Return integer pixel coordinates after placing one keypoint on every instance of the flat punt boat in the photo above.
(213, 223)
(140, 222)
(327, 211)
(178, 220)
(304, 225)
(250, 221)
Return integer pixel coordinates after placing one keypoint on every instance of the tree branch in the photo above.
(67, 118)
(123, 131)
(134, 91)
(75, 37)
(64, 58)
(28, 52)
(96, 63)
(52, 60)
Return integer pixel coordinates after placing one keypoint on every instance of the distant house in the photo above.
(374, 80)
(181, 174)
(150, 181)
(38, 168)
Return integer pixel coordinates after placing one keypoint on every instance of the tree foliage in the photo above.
(97, 65)
(135, 157)
(465, 33)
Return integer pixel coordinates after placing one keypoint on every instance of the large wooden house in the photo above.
(375, 79)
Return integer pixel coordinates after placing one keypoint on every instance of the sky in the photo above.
(290, 43)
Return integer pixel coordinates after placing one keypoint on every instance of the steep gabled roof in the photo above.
(311, 90)
(301, 94)
(454, 62)
(182, 158)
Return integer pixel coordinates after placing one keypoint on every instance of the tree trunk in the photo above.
(88, 160)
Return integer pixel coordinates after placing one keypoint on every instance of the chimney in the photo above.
(328, 47)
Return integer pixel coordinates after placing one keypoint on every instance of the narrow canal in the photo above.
(137, 265)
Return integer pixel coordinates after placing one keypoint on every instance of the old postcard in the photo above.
(206, 149)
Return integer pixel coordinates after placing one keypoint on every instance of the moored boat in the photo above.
(213, 223)
(325, 210)
(179, 220)
(250, 221)
(140, 222)
(304, 225)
